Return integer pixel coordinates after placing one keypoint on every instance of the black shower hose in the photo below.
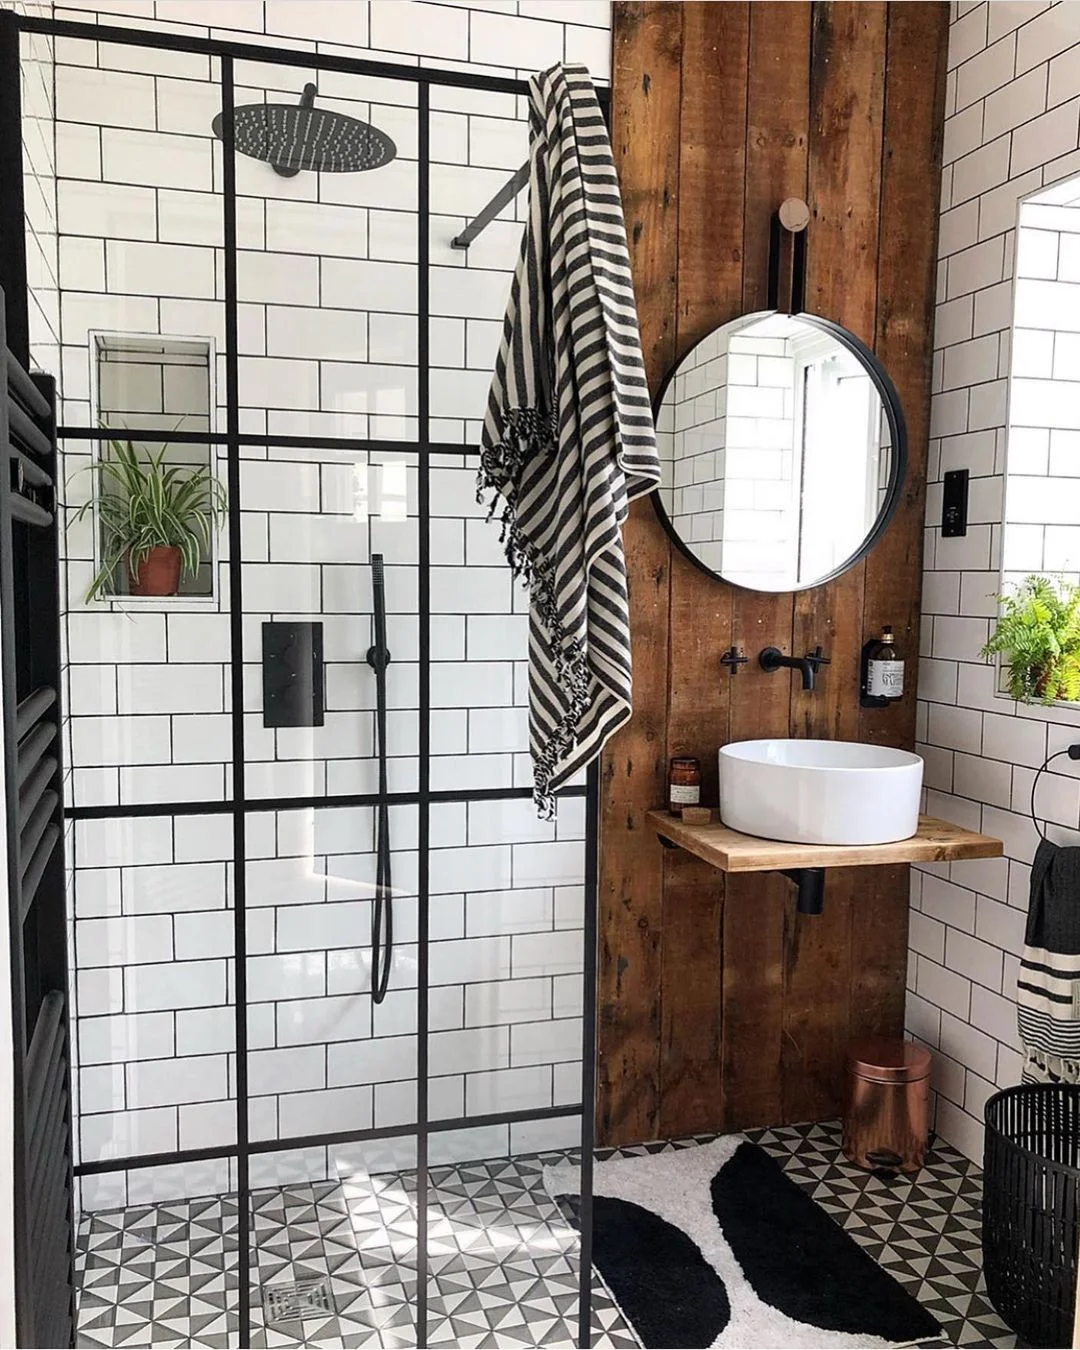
(382, 915)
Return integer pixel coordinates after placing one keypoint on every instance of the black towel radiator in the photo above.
(37, 910)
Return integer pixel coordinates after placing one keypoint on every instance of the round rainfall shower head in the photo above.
(290, 137)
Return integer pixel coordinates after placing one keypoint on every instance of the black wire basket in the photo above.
(1031, 1219)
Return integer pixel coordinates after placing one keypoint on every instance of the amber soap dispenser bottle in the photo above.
(882, 680)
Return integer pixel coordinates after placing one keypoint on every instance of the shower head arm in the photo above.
(307, 102)
(483, 219)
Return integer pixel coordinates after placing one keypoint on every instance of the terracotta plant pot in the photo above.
(157, 574)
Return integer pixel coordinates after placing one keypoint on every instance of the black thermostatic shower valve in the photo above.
(954, 504)
(293, 688)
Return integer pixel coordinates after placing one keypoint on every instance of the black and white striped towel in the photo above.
(568, 438)
(1048, 985)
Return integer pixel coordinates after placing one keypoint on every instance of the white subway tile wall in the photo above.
(327, 346)
(1011, 129)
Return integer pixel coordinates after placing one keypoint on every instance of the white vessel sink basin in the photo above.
(820, 792)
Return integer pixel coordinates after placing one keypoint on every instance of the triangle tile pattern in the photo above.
(502, 1265)
(924, 1230)
(502, 1258)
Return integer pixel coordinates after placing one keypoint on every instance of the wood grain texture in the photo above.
(691, 1067)
(720, 1007)
(847, 93)
(777, 121)
(645, 108)
(879, 950)
(727, 849)
(712, 158)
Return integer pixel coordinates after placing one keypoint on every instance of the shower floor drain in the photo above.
(305, 1298)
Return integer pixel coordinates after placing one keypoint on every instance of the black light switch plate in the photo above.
(293, 691)
(954, 504)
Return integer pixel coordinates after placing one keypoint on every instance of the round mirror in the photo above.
(782, 451)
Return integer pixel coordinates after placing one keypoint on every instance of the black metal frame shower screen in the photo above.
(240, 806)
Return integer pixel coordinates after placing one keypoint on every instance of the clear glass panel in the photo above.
(153, 1038)
(324, 1056)
(478, 140)
(148, 677)
(154, 951)
(334, 1245)
(312, 524)
(140, 214)
(327, 270)
(505, 962)
(502, 1256)
(505, 1036)
(138, 201)
(157, 1260)
(479, 641)
(39, 188)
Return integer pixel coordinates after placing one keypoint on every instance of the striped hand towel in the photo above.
(1048, 985)
(568, 438)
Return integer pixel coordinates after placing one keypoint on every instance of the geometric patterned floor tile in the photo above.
(924, 1230)
(502, 1259)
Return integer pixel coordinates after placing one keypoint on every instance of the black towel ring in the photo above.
(1073, 751)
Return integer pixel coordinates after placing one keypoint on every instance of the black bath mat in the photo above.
(715, 1246)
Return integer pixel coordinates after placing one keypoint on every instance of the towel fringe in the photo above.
(1042, 1067)
(528, 433)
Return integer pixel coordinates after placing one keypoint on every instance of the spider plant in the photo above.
(142, 504)
(1038, 638)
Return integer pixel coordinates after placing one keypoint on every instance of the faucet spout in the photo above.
(773, 659)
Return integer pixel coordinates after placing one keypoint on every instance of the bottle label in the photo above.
(682, 794)
(885, 679)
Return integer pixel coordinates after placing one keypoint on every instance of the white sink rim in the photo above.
(815, 791)
(875, 758)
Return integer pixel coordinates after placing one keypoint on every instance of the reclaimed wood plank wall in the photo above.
(720, 1007)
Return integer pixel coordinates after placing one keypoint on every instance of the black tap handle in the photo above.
(733, 658)
(817, 657)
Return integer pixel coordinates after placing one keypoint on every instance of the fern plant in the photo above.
(143, 503)
(1038, 637)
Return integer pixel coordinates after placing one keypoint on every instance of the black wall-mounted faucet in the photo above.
(773, 659)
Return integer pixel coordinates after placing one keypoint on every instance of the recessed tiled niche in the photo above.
(157, 384)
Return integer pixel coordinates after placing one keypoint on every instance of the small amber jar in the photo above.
(684, 783)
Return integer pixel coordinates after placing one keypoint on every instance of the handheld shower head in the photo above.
(378, 658)
(382, 917)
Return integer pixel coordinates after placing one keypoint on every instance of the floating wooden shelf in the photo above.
(936, 841)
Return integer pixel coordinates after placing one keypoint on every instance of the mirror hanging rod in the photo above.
(483, 219)
(789, 223)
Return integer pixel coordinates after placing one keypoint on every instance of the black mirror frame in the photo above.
(894, 414)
